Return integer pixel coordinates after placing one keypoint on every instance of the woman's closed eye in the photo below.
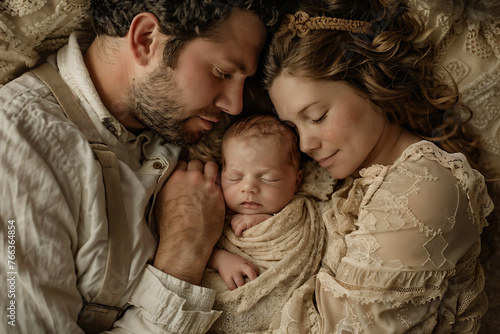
(320, 119)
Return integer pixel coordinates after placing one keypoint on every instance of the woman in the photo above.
(355, 79)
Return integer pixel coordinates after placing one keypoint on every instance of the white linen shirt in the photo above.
(52, 193)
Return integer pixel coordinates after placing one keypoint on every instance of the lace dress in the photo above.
(402, 250)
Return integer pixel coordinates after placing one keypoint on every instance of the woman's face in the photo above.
(337, 127)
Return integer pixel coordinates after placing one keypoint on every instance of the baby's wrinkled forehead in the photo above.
(267, 151)
(252, 147)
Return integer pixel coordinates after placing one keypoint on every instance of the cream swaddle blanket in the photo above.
(287, 248)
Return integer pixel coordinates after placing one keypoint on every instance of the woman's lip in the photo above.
(326, 161)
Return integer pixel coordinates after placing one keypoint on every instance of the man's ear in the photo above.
(144, 38)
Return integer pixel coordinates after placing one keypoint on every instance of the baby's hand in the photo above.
(234, 268)
(241, 222)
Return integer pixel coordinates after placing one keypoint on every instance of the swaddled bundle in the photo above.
(287, 248)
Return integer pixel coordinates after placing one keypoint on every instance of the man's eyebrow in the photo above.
(241, 67)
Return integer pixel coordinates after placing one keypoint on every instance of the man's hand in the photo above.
(241, 222)
(232, 268)
(190, 216)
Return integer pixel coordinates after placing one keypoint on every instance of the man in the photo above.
(157, 76)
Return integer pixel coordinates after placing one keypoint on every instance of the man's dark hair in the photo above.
(182, 20)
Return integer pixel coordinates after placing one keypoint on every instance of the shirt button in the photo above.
(112, 128)
(157, 165)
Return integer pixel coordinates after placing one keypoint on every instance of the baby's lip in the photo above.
(250, 204)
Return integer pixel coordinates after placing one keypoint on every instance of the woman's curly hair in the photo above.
(181, 20)
(393, 66)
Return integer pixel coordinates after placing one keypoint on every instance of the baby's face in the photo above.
(257, 176)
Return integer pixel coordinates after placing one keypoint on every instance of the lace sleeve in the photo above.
(416, 239)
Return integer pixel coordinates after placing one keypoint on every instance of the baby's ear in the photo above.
(298, 180)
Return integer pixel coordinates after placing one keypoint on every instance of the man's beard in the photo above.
(156, 103)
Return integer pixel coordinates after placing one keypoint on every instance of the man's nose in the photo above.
(230, 99)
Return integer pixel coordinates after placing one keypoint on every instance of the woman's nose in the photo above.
(308, 142)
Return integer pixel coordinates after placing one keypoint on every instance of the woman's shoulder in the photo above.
(426, 188)
(424, 161)
(425, 151)
(428, 160)
(427, 169)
